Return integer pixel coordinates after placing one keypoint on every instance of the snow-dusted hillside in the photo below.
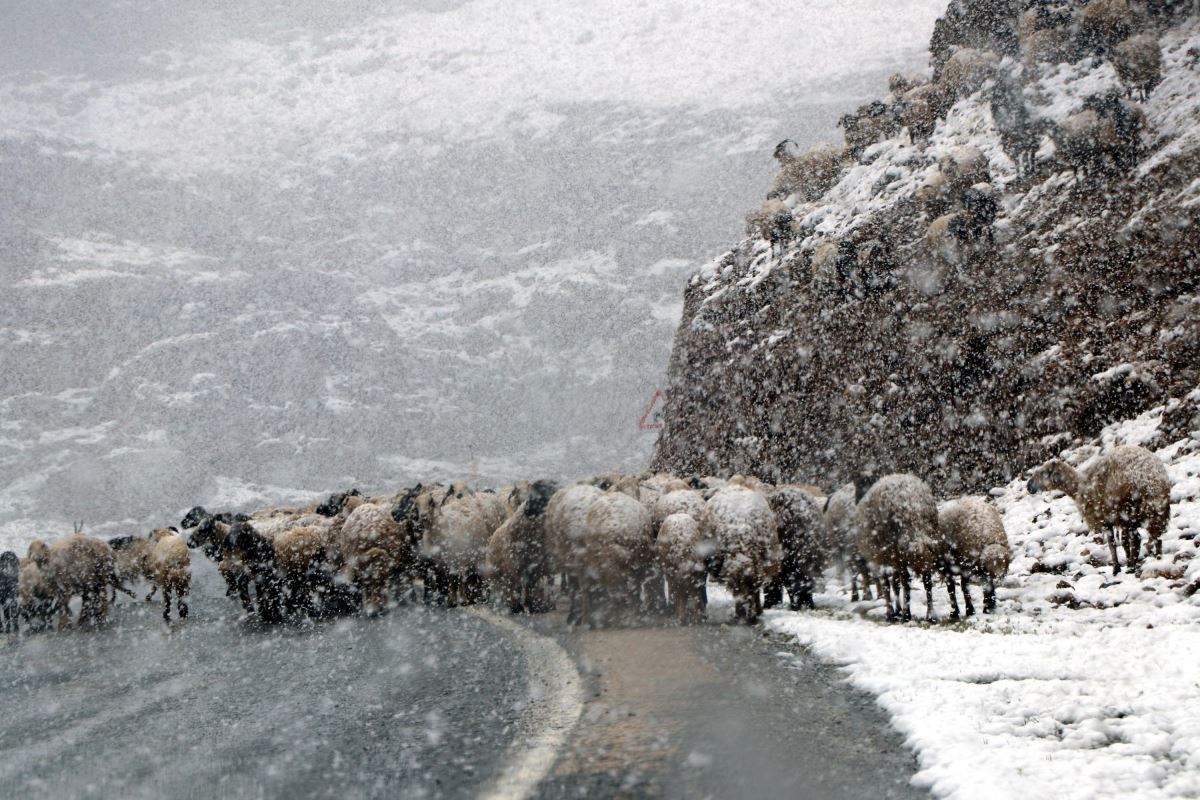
(251, 252)
(1082, 685)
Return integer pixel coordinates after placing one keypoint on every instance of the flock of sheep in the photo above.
(998, 56)
(613, 549)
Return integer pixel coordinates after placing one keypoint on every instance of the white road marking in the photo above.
(555, 705)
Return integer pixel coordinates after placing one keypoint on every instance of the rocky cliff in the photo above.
(969, 289)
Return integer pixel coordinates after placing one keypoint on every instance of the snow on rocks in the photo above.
(1081, 685)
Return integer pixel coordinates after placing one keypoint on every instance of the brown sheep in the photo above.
(517, 559)
(133, 556)
(918, 110)
(1045, 37)
(300, 552)
(975, 534)
(1125, 488)
(682, 551)
(871, 123)
(965, 73)
(1104, 23)
(807, 175)
(84, 566)
(1138, 62)
(772, 221)
(210, 533)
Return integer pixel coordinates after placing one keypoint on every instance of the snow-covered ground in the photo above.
(1081, 685)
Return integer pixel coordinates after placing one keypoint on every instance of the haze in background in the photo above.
(255, 250)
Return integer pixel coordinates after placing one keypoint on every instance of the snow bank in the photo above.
(1082, 685)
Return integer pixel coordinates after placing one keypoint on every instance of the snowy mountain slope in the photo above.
(1082, 685)
(958, 373)
(254, 253)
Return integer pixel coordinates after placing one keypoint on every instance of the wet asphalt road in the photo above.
(423, 703)
(401, 706)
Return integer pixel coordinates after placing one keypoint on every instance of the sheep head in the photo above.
(538, 498)
(193, 517)
(38, 552)
(787, 150)
(1054, 476)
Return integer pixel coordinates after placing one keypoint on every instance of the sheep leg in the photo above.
(773, 593)
(966, 590)
(1112, 549)
(1133, 549)
(948, 575)
(887, 596)
(243, 593)
(989, 595)
(854, 587)
(905, 585)
(800, 591)
(865, 571)
(153, 590)
(166, 604)
(927, 582)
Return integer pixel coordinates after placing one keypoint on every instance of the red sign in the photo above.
(652, 420)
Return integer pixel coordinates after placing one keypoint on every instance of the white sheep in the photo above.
(618, 548)
(896, 525)
(741, 525)
(682, 552)
(974, 532)
(840, 510)
(1125, 488)
(566, 532)
(679, 501)
(374, 551)
(455, 534)
(963, 167)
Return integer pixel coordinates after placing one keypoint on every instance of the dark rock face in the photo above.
(1081, 310)
(961, 387)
